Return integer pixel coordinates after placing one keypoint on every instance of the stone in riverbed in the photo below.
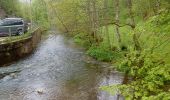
(13, 75)
(40, 91)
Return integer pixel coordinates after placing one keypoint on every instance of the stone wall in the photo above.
(16, 50)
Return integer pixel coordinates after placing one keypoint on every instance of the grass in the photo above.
(100, 53)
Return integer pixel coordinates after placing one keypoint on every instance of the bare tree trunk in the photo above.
(106, 23)
(75, 18)
(90, 28)
(117, 10)
(94, 20)
(133, 26)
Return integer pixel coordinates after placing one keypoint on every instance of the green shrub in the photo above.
(100, 53)
(149, 73)
(149, 68)
(82, 39)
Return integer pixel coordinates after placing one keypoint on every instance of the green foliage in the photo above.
(161, 96)
(101, 53)
(154, 34)
(161, 23)
(11, 7)
(40, 14)
(82, 39)
(150, 67)
(150, 76)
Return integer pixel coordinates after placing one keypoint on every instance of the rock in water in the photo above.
(13, 75)
(40, 90)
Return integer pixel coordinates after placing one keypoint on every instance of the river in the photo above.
(57, 70)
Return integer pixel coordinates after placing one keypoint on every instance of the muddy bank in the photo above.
(15, 50)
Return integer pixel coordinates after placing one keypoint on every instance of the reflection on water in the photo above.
(56, 71)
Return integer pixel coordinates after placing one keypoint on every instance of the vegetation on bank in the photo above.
(132, 34)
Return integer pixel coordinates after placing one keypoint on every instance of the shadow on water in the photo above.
(57, 70)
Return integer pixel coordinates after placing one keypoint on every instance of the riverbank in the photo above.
(16, 47)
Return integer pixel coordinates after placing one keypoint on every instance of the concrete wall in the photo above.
(16, 50)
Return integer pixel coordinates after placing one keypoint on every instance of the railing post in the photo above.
(31, 13)
(10, 34)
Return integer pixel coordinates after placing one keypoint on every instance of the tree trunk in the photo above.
(90, 28)
(106, 23)
(133, 26)
(117, 11)
(94, 20)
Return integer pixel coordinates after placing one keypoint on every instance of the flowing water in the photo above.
(57, 70)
